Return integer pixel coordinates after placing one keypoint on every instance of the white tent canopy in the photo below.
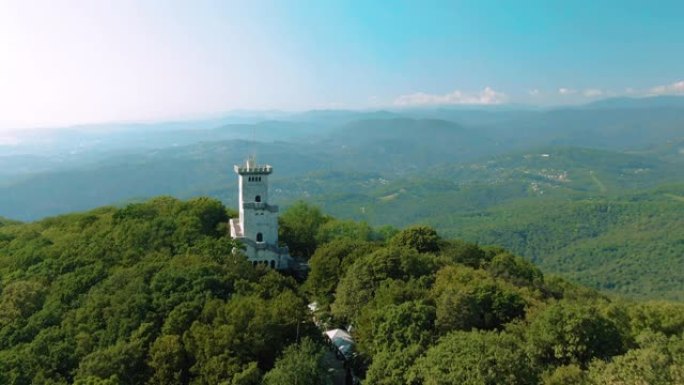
(342, 340)
(339, 333)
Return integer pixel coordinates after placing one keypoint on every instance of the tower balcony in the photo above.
(259, 206)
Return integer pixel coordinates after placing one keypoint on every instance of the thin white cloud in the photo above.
(592, 92)
(566, 91)
(485, 97)
(534, 92)
(675, 88)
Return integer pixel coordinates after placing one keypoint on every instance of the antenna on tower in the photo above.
(252, 144)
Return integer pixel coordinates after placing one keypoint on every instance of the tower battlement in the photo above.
(252, 168)
(259, 170)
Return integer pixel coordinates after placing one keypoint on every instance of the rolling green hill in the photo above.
(627, 245)
(594, 216)
(523, 178)
(630, 245)
(152, 293)
(546, 203)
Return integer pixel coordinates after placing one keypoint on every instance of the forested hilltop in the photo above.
(593, 192)
(151, 293)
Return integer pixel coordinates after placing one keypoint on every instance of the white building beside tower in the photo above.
(257, 226)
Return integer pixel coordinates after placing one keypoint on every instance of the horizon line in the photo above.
(253, 113)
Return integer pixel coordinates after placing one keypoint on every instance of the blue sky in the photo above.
(71, 62)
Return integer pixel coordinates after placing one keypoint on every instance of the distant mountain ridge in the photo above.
(669, 101)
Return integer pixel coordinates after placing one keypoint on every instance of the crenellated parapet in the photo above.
(257, 170)
(252, 168)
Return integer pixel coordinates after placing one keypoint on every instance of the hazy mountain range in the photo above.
(490, 175)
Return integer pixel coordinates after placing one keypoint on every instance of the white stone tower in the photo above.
(257, 226)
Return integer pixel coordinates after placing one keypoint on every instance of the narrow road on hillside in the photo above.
(598, 182)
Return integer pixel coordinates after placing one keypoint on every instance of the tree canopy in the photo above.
(157, 293)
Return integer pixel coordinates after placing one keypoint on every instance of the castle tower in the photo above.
(257, 226)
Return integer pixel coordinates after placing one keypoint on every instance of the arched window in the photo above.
(260, 237)
(257, 198)
(272, 264)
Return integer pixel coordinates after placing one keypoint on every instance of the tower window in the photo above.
(257, 198)
(259, 237)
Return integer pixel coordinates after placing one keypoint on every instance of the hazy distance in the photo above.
(77, 62)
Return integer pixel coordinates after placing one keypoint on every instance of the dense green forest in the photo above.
(597, 222)
(627, 244)
(152, 293)
(591, 192)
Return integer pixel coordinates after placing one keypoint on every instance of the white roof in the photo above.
(335, 334)
(342, 340)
